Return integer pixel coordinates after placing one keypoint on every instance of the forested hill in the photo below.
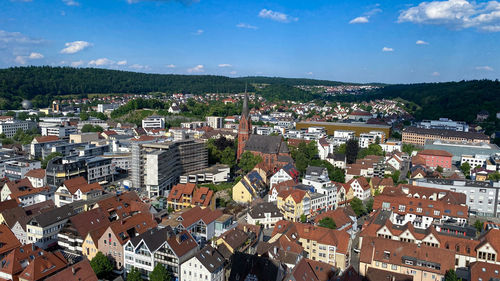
(291, 81)
(41, 83)
(456, 100)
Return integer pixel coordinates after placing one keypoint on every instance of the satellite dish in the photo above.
(26, 104)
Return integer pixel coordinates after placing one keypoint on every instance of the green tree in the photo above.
(90, 128)
(395, 176)
(478, 224)
(50, 157)
(84, 116)
(409, 148)
(358, 207)
(351, 151)
(303, 218)
(494, 176)
(439, 169)
(159, 273)
(328, 223)
(465, 167)
(134, 275)
(451, 275)
(248, 161)
(369, 205)
(101, 265)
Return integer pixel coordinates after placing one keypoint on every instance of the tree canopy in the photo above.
(248, 161)
(159, 273)
(328, 223)
(101, 265)
(134, 275)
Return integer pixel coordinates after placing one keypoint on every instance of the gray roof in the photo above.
(266, 144)
(211, 259)
(447, 133)
(314, 170)
(57, 214)
(153, 238)
(258, 211)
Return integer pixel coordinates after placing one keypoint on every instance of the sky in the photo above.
(393, 41)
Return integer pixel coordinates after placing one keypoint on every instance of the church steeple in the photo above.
(244, 127)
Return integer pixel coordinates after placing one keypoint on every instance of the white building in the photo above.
(392, 146)
(153, 122)
(266, 214)
(206, 265)
(215, 122)
(59, 131)
(343, 134)
(288, 172)
(360, 187)
(317, 177)
(9, 128)
(474, 160)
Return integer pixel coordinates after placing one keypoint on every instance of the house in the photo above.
(395, 161)
(288, 172)
(283, 251)
(8, 240)
(265, 214)
(123, 205)
(360, 187)
(318, 178)
(118, 233)
(188, 195)
(17, 218)
(37, 177)
(14, 186)
(207, 264)
(29, 262)
(370, 166)
(377, 184)
(344, 218)
(242, 238)
(422, 206)
(323, 244)
(294, 203)
(484, 271)
(344, 194)
(81, 271)
(251, 267)
(314, 270)
(249, 188)
(72, 235)
(434, 158)
(421, 261)
(200, 223)
(159, 246)
(337, 160)
(76, 189)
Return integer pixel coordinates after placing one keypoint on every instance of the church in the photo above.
(272, 149)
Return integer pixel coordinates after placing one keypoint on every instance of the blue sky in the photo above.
(359, 41)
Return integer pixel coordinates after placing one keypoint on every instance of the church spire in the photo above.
(244, 111)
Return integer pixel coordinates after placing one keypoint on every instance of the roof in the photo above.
(54, 215)
(447, 133)
(36, 173)
(309, 270)
(44, 265)
(8, 240)
(397, 252)
(46, 139)
(341, 216)
(210, 258)
(374, 274)
(266, 144)
(128, 227)
(88, 221)
(81, 271)
(18, 185)
(484, 271)
(263, 268)
(296, 194)
(182, 243)
(202, 196)
(235, 237)
(179, 189)
(80, 183)
(191, 216)
(260, 210)
(323, 235)
(12, 263)
(435, 152)
(8, 204)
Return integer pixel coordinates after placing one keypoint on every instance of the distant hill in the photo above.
(456, 100)
(41, 84)
(292, 81)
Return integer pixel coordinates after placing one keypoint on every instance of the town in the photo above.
(236, 187)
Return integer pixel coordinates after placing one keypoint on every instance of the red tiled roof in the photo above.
(46, 139)
(81, 271)
(36, 173)
(435, 152)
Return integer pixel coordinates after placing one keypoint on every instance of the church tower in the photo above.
(244, 128)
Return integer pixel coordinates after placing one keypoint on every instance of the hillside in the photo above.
(456, 100)
(291, 81)
(40, 84)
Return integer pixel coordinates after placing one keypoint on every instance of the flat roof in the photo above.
(345, 124)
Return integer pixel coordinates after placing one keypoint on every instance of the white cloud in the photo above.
(75, 47)
(170, 65)
(71, 3)
(35, 56)
(276, 16)
(233, 72)
(139, 66)
(387, 49)
(309, 73)
(247, 26)
(185, 2)
(77, 63)
(101, 62)
(16, 38)
(199, 32)
(225, 65)
(20, 59)
(197, 69)
(435, 73)
(484, 68)
(122, 62)
(455, 14)
(421, 42)
(359, 20)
